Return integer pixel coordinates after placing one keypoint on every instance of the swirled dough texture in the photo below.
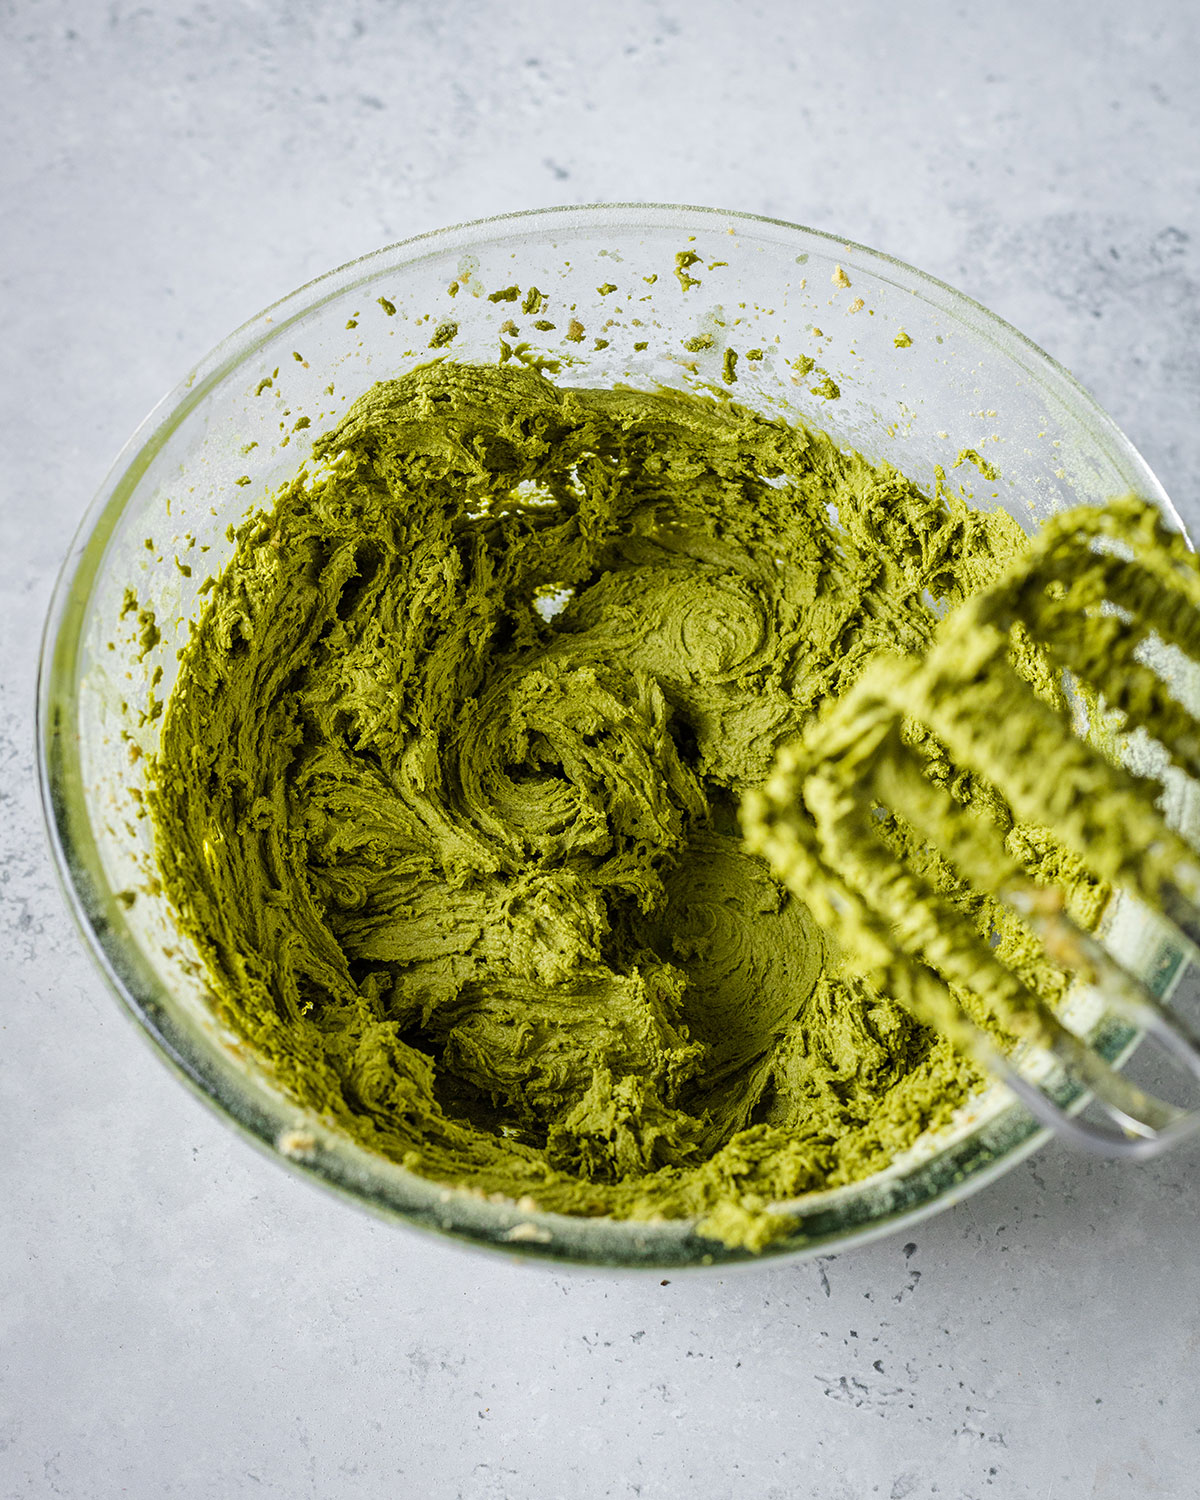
(447, 792)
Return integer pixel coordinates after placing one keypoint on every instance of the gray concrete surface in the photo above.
(180, 1318)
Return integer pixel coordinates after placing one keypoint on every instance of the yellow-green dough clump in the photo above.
(447, 792)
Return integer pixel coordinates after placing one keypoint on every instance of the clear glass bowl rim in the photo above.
(990, 1150)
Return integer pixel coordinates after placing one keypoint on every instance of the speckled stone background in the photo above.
(182, 1319)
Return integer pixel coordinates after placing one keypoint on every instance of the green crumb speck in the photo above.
(600, 344)
(576, 331)
(264, 384)
(640, 345)
(827, 388)
(609, 286)
(505, 294)
(683, 260)
(533, 302)
(973, 456)
(388, 307)
(443, 334)
(729, 367)
(754, 354)
(149, 634)
(902, 340)
(697, 342)
(804, 364)
(351, 322)
(544, 325)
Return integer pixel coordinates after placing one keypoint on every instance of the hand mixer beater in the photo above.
(1103, 596)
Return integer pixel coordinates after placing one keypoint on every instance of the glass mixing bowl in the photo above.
(903, 369)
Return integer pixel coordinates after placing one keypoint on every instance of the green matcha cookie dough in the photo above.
(447, 792)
